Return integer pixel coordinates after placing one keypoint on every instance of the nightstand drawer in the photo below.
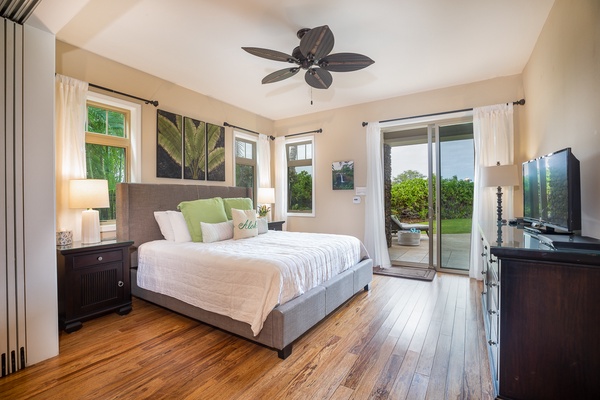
(89, 260)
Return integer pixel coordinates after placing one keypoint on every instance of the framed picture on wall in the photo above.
(194, 154)
(342, 175)
(215, 152)
(169, 144)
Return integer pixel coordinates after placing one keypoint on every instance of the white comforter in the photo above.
(245, 279)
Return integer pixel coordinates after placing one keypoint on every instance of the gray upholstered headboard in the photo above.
(136, 203)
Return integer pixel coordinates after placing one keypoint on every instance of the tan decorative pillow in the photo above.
(244, 223)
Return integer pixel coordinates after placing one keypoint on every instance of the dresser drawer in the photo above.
(90, 260)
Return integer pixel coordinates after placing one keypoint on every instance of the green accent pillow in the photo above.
(240, 203)
(211, 211)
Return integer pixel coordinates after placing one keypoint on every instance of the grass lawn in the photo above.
(459, 225)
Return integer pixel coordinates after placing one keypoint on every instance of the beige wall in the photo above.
(561, 84)
(562, 87)
(89, 67)
(343, 138)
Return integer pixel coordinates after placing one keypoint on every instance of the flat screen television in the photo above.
(552, 192)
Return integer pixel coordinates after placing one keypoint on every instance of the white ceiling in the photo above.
(417, 45)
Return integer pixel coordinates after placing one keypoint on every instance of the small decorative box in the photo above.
(64, 238)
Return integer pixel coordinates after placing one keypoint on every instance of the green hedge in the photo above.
(409, 199)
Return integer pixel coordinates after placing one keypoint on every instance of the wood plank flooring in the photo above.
(405, 339)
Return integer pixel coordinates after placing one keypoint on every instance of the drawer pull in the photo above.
(492, 343)
(99, 258)
(120, 284)
(491, 312)
(492, 284)
(492, 260)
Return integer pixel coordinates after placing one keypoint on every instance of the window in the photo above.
(113, 146)
(300, 176)
(107, 149)
(245, 162)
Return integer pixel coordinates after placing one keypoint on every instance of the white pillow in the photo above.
(262, 225)
(180, 228)
(164, 223)
(216, 232)
(244, 223)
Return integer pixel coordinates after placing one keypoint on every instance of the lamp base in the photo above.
(90, 226)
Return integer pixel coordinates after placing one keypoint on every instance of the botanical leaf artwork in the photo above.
(216, 152)
(169, 144)
(189, 148)
(195, 149)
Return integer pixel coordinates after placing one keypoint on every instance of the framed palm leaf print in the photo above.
(215, 152)
(194, 154)
(169, 128)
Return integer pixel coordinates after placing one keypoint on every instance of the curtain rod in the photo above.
(304, 133)
(515, 103)
(247, 130)
(153, 102)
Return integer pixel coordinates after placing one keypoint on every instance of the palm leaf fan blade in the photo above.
(345, 62)
(318, 78)
(269, 54)
(318, 42)
(280, 75)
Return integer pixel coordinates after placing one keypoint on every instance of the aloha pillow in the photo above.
(164, 224)
(244, 223)
(216, 232)
(211, 211)
(180, 229)
(241, 203)
(262, 225)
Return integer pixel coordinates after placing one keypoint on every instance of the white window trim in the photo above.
(250, 138)
(298, 139)
(135, 130)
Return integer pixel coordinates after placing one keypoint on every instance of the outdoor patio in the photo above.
(455, 251)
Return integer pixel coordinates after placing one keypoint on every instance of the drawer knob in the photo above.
(99, 258)
(492, 260)
(491, 312)
(491, 342)
(120, 284)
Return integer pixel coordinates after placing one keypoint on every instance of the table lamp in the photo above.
(499, 175)
(89, 193)
(266, 196)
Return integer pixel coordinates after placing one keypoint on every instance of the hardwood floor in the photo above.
(405, 339)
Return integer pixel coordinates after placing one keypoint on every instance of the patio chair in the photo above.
(406, 227)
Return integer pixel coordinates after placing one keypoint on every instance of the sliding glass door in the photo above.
(431, 158)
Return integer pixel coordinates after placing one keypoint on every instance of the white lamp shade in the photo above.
(500, 175)
(266, 195)
(88, 193)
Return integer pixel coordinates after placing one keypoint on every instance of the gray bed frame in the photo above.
(136, 203)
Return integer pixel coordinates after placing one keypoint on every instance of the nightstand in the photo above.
(276, 225)
(93, 279)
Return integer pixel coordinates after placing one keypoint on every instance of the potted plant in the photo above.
(263, 210)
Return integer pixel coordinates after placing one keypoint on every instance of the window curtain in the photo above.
(71, 115)
(280, 180)
(264, 161)
(493, 132)
(375, 239)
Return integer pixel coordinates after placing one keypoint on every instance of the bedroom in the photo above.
(560, 83)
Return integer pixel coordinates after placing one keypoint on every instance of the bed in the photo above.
(136, 204)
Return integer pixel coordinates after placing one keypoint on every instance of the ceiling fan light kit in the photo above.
(313, 56)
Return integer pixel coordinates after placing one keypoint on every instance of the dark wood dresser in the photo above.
(542, 312)
(92, 280)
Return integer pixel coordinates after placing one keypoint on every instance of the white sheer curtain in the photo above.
(264, 161)
(71, 114)
(493, 131)
(280, 181)
(375, 239)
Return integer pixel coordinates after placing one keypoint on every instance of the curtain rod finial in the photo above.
(365, 124)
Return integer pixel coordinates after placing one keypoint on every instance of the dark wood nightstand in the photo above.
(276, 225)
(93, 279)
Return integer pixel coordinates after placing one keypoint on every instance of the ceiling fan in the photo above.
(313, 56)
